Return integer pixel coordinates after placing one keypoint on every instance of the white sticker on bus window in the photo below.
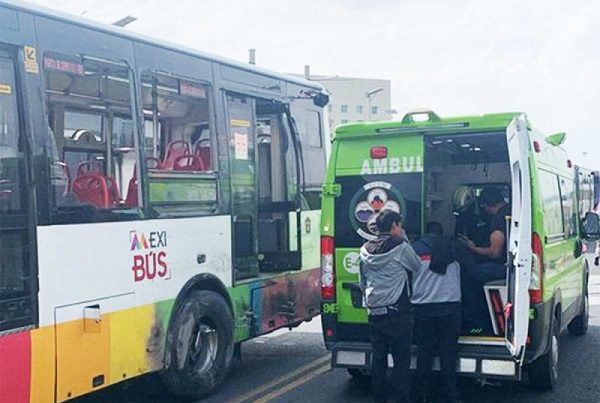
(31, 64)
(5, 89)
(240, 141)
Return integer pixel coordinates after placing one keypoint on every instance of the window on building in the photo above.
(359, 109)
(344, 108)
(344, 121)
(374, 110)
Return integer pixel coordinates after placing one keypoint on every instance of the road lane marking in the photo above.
(291, 386)
(285, 378)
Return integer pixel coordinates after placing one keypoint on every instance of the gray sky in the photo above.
(455, 57)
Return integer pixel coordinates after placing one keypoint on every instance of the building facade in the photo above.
(355, 99)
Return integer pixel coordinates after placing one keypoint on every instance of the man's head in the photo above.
(435, 228)
(389, 222)
(491, 200)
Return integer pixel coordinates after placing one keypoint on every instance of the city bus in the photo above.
(158, 206)
(429, 168)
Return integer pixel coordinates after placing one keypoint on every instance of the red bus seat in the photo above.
(132, 188)
(188, 163)
(87, 167)
(92, 188)
(175, 150)
(203, 152)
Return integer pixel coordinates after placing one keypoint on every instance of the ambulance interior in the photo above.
(457, 168)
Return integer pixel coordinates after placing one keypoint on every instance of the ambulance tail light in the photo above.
(537, 271)
(378, 153)
(327, 268)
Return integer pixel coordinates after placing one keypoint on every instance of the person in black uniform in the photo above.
(475, 313)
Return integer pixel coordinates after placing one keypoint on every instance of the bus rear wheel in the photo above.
(199, 345)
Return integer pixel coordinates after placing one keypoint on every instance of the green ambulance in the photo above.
(422, 167)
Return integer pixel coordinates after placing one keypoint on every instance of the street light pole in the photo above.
(370, 95)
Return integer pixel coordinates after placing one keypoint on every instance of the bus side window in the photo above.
(178, 145)
(309, 123)
(94, 151)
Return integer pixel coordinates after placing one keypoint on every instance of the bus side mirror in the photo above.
(591, 227)
(320, 99)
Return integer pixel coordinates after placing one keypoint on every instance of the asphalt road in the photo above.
(294, 367)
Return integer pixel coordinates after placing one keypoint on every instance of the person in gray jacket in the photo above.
(436, 303)
(384, 263)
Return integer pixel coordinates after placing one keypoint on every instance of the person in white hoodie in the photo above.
(384, 263)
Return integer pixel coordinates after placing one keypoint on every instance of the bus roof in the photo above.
(435, 124)
(117, 31)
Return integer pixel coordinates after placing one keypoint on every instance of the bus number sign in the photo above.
(149, 256)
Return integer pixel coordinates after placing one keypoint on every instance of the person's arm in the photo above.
(494, 251)
(410, 260)
(362, 281)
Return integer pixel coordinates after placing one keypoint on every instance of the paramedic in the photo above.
(437, 309)
(476, 317)
(384, 263)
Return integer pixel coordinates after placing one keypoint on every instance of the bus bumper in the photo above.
(489, 362)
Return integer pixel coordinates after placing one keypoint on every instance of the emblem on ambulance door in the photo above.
(368, 201)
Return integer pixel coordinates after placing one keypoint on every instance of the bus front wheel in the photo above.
(199, 345)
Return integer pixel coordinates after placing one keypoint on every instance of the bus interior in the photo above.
(90, 117)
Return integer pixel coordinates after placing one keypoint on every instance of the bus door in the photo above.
(242, 159)
(17, 279)
(519, 242)
(278, 163)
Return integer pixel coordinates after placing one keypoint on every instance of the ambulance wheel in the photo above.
(543, 372)
(579, 325)
(199, 347)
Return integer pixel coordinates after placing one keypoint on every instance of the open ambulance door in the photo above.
(519, 243)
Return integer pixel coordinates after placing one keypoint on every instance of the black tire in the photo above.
(543, 372)
(199, 346)
(361, 375)
(580, 324)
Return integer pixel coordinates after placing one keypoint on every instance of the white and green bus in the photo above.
(158, 206)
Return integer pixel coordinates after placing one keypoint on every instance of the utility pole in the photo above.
(370, 95)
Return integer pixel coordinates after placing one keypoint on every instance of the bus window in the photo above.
(178, 145)
(10, 155)
(90, 108)
(16, 309)
(309, 123)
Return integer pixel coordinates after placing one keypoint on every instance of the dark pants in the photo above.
(475, 309)
(391, 333)
(436, 333)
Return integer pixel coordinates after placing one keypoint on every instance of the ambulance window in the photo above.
(551, 200)
(569, 209)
